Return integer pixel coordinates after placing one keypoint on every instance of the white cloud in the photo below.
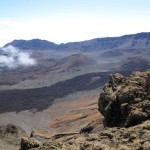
(11, 57)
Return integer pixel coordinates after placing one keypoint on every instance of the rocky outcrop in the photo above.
(132, 138)
(125, 101)
(12, 131)
(10, 137)
(28, 143)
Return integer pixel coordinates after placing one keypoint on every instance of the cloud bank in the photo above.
(11, 57)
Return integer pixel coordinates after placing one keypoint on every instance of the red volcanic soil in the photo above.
(71, 116)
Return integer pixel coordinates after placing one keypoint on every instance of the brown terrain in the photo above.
(75, 123)
(75, 114)
(62, 111)
(124, 102)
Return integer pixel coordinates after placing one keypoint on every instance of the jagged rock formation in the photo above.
(11, 129)
(28, 143)
(125, 101)
(10, 137)
(132, 138)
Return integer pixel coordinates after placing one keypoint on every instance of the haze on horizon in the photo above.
(62, 21)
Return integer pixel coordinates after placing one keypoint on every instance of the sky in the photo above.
(62, 21)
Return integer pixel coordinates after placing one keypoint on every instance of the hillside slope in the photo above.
(75, 61)
(41, 98)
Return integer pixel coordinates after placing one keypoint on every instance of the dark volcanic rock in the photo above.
(27, 143)
(125, 101)
(41, 98)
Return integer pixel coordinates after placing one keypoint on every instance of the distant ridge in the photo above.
(139, 40)
(34, 44)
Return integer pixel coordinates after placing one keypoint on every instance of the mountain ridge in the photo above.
(35, 44)
(137, 40)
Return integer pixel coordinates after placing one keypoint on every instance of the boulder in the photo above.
(11, 130)
(125, 101)
(28, 143)
(10, 137)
